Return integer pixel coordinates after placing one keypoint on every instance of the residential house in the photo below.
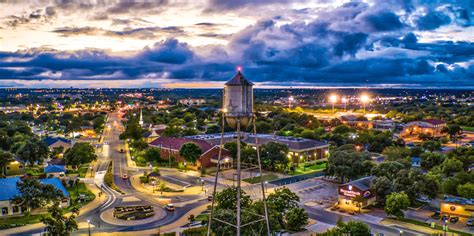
(56, 142)
(57, 171)
(15, 167)
(10, 190)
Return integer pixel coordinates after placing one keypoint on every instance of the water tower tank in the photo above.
(238, 101)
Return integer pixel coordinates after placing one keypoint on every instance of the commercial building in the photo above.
(457, 206)
(57, 171)
(10, 190)
(431, 127)
(356, 194)
(300, 149)
(170, 146)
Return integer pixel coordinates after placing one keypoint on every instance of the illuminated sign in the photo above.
(349, 193)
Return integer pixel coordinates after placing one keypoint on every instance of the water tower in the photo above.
(237, 111)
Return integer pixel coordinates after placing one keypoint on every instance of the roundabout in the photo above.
(108, 217)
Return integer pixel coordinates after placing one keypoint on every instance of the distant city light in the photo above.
(333, 98)
(364, 98)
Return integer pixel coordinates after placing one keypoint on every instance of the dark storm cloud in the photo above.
(139, 33)
(351, 44)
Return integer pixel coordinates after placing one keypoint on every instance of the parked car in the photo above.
(470, 222)
(436, 215)
(454, 219)
(170, 207)
(444, 217)
(121, 150)
(210, 197)
(423, 199)
(124, 176)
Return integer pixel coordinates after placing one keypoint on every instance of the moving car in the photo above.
(121, 150)
(124, 176)
(170, 207)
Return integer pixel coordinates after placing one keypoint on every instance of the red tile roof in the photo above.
(214, 153)
(176, 143)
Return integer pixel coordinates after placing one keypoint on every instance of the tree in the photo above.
(296, 218)
(5, 158)
(58, 224)
(274, 156)
(349, 228)
(227, 199)
(466, 190)
(382, 186)
(396, 203)
(349, 164)
(34, 194)
(430, 160)
(396, 153)
(413, 182)
(388, 169)
(32, 151)
(453, 131)
(80, 153)
(431, 145)
(264, 127)
(152, 155)
(190, 152)
(451, 166)
(450, 185)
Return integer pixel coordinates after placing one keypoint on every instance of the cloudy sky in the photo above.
(199, 43)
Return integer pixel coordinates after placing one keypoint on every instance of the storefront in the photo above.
(457, 206)
(356, 194)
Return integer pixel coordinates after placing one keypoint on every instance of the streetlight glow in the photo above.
(333, 99)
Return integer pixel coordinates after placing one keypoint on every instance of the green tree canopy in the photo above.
(152, 155)
(33, 151)
(58, 224)
(274, 156)
(190, 152)
(80, 153)
(396, 203)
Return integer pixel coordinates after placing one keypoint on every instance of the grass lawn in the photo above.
(254, 180)
(309, 168)
(415, 222)
(11, 222)
(82, 171)
(467, 128)
(81, 190)
(109, 180)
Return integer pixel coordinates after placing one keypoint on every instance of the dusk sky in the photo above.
(318, 43)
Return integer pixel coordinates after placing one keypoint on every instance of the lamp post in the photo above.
(153, 183)
(266, 186)
(290, 100)
(202, 184)
(401, 232)
(344, 101)
(89, 226)
(333, 99)
(364, 99)
(185, 166)
(91, 170)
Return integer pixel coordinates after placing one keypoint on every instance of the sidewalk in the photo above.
(418, 228)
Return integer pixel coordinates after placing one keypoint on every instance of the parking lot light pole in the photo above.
(89, 226)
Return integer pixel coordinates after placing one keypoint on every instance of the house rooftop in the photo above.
(51, 140)
(54, 169)
(10, 190)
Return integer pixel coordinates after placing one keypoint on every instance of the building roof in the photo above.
(434, 121)
(54, 169)
(363, 184)
(10, 190)
(213, 153)
(459, 200)
(239, 79)
(176, 143)
(51, 140)
(293, 143)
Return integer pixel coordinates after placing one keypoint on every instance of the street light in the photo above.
(202, 184)
(153, 183)
(364, 98)
(401, 232)
(89, 226)
(184, 166)
(290, 100)
(344, 101)
(266, 186)
(333, 99)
